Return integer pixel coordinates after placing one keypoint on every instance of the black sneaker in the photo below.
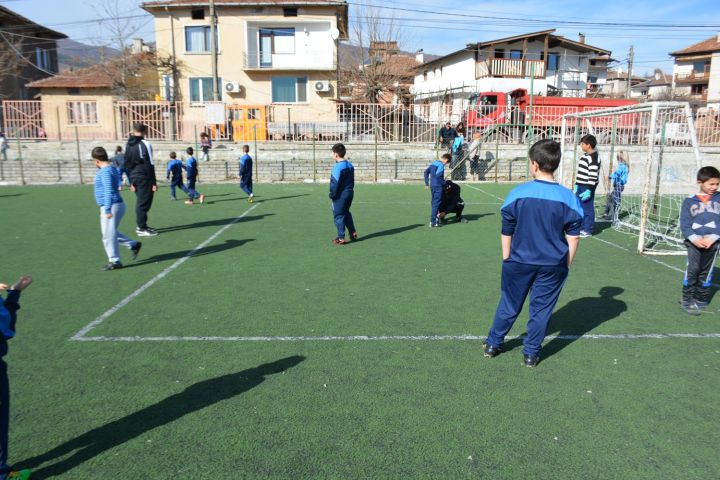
(112, 266)
(531, 360)
(490, 351)
(136, 249)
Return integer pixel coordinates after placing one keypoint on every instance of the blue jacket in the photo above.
(698, 219)
(457, 143)
(174, 169)
(8, 307)
(342, 179)
(107, 183)
(435, 173)
(191, 168)
(620, 175)
(246, 166)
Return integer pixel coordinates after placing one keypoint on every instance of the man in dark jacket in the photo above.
(451, 202)
(141, 168)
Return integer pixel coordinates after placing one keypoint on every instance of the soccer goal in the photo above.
(659, 142)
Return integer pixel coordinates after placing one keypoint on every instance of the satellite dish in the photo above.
(334, 33)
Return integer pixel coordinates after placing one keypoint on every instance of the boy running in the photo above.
(192, 174)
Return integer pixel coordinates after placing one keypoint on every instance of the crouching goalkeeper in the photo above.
(451, 202)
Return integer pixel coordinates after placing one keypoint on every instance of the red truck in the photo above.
(513, 109)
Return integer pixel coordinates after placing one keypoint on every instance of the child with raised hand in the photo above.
(700, 225)
(618, 178)
(8, 316)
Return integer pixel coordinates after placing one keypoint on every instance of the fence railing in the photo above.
(357, 123)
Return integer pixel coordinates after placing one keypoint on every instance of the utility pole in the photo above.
(630, 64)
(213, 50)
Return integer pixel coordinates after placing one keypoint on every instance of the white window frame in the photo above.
(82, 113)
(297, 91)
(200, 91)
(202, 52)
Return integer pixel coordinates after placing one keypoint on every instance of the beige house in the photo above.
(269, 52)
(696, 72)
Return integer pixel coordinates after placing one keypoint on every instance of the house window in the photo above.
(499, 53)
(197, 39)
(197, 14)
(289, 12)
(201, 89)
(701, 67)
(289, 89)
(42, 58)
(516, 54)
(73, 91)
(82, 113)
(698, 89)
(553, 61)
(592, 78)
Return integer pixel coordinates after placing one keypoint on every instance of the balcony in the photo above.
(693, 77)
(290, 61)
(509, 68)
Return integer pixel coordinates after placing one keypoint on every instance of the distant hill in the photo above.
(72, 54)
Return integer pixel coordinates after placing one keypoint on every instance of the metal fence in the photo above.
(356, 123)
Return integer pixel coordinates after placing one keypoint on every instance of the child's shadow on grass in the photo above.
(214, 223)
(578, 318)
(228, 245)
(193, 398)
(392, 231)
(261, 199)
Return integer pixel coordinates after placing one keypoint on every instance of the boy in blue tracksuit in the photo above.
(700, 226)
(112, 209)
(342, 186)
(174, 174)
(540, 233)
(192, 174)
(246, 167)
(434, 177)
(8, 315)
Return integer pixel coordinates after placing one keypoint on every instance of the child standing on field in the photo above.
(4, 145)
(342, 191)
(174, 174)
(112, 209)
(540, 228)
(586, 180)
(434, 177)
(246, 167)
(618, 178)
(192, 174)
(205, 146)
(700, 225)
(8, 315)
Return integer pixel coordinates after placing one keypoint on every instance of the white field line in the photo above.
(376, 338)
(79, 335)
(486, 193)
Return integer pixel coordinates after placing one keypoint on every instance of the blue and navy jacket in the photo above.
(246, 166)
(342, 179)
(700, 219)
(191, 168)
(435, 173)
(538, 215)
(107, 182)
(8, 309)
(174, 170)
(620, 175)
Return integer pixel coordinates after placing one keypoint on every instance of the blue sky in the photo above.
(423, 25)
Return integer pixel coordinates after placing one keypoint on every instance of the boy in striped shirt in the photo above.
(586, 180)
(112, 209)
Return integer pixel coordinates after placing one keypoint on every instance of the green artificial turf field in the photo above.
(271, 353)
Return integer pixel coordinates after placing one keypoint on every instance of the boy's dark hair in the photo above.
(139, 128)
(339, 148)
(118, 149)
(246, 148)
(173, 155)
(446, 156)
(589, 140)
(706, 173)
(189, 151)
(99, 153)
(546, 153)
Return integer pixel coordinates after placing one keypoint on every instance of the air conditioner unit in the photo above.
(231, 87)
(322, 86)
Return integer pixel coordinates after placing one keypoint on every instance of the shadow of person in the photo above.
(259, 199)
(392, 231)
(228, 245)
(577, 318)
(220, 222)
(471, 217)
(193, 398)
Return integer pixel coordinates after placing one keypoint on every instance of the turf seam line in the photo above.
(79, 335)
(370, 338)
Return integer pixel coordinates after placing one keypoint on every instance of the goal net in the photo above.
(659, 142)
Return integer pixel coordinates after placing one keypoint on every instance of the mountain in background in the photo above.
(72, 54)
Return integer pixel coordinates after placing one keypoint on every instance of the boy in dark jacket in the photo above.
(434, 177)
(700, 225)
(451, 202)
(342, 190)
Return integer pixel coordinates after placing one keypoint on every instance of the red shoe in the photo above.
(339, 241)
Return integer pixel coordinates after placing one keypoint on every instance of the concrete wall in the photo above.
(57, 163)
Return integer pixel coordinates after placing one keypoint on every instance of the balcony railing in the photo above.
(510, 68)
(289, 61)
(692, 77)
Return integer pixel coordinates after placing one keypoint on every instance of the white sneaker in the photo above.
(584, 234)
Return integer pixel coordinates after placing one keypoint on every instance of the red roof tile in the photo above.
(706, 46)
(91, 77)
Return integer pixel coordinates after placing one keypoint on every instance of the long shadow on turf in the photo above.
(228, 245)
(578, 318)
(213, 223)
(12, 195)
(193, 398)
(261, 199)
(392, 231)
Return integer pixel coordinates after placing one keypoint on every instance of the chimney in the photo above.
(581, 37)
(137, 45)
(420, 56)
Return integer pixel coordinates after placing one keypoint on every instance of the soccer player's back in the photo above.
(245, 172)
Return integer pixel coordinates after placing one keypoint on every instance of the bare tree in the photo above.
(11, 63)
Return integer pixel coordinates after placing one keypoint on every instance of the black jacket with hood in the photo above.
(139, 160)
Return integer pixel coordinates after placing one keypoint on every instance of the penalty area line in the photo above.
(84, 331)
(376, 338)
